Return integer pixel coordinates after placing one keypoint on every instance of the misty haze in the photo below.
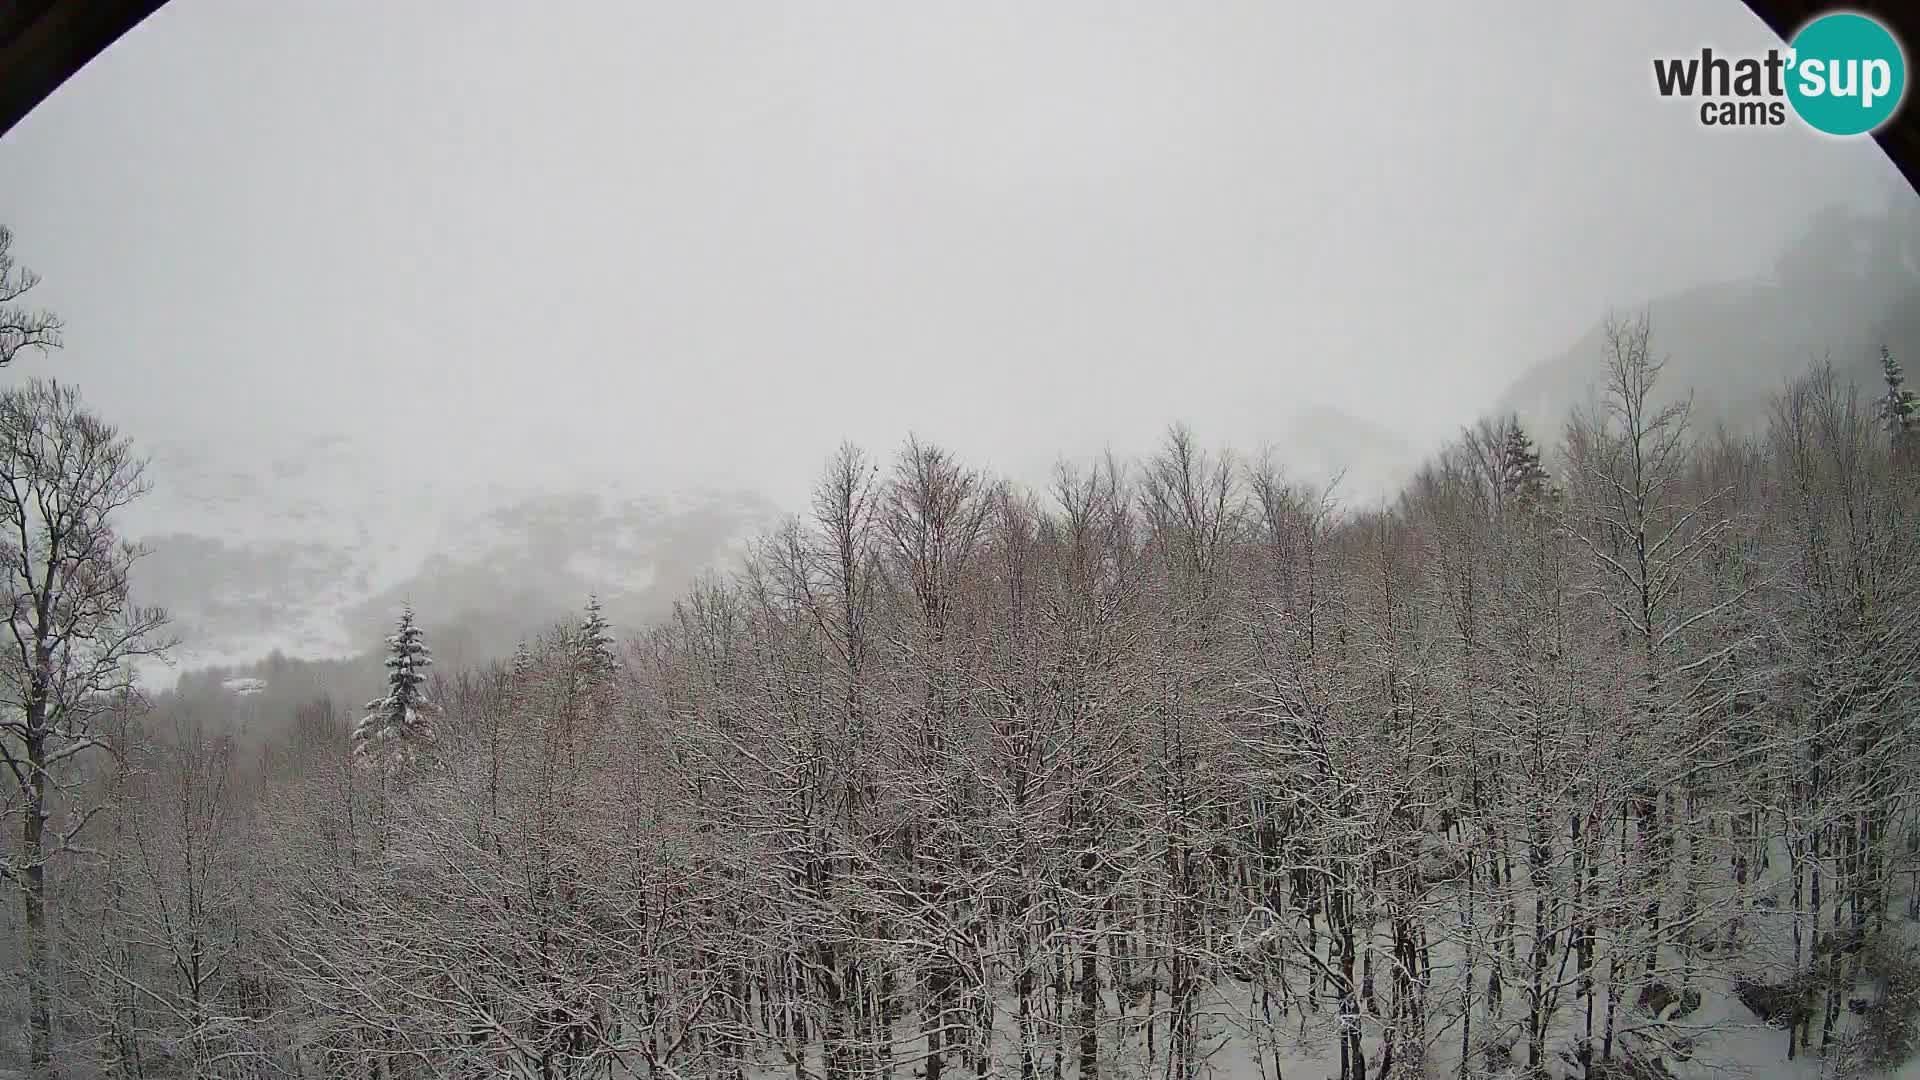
(910, 542)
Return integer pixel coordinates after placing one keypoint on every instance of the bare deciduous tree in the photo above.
(74, 634)
(22, 327)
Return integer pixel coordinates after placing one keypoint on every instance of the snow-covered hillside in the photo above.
(307, 550)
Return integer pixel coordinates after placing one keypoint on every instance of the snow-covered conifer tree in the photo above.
(1521, 473)
(595, 641)
(400, 723)
(1900, 407)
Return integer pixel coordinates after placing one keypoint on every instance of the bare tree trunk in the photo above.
(1089, 1018)
(39, 943)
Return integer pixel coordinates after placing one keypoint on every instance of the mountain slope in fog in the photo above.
(1849, 285)
(311, 553)
(1362, 460)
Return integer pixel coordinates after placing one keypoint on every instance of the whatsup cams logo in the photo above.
(1842, 74)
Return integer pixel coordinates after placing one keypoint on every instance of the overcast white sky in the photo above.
(708, 240)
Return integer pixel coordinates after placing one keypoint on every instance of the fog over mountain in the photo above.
(300, 554)
(481, 311)
(1844, 287)
(311, 551)
(294, 554)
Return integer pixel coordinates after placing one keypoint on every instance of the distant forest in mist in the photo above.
(1589, 754)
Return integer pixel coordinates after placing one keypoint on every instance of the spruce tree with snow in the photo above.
(400, 724)
(1521, 473)
(595, 642)
(1899, 407)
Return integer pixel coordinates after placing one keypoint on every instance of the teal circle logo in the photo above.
(1847, 74)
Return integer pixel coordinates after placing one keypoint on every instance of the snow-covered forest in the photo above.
(1588, 756)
